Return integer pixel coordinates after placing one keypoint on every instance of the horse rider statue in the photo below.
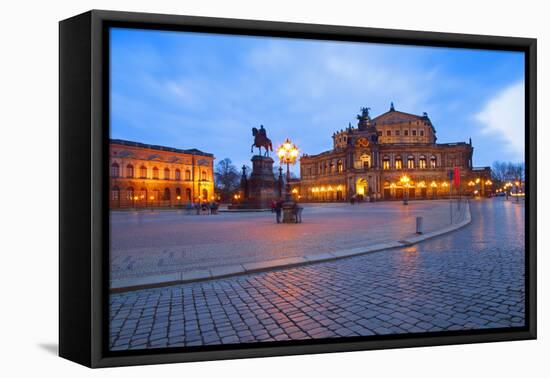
(261, 140)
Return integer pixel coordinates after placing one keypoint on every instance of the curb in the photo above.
(132, 284)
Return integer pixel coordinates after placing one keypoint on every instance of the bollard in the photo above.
(419, 225)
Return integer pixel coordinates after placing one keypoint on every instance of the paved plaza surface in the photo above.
(469, 279)
(150, 243)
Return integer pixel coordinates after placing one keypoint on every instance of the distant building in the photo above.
(369, 161)
(143, 175)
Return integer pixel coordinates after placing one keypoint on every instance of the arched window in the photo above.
(410, 162)
(130, 171)
(143, 195)
(130, 194)
(422, 162)
(115, 170)
(155, 173)
(177, 175)
(433, 162)
(340, 166)
(166, 174)
(386, 163)
(178, 194)
(204, 195)
(398, 162)
(115, 193)
(188, 195)
(203, 175)
(143, 172)
(188, 175)
(166, 196)
(332, 167)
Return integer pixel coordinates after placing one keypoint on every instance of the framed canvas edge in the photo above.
(98, 264)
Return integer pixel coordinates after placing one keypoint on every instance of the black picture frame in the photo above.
(83, 209)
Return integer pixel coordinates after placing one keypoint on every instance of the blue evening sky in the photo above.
(206, 91)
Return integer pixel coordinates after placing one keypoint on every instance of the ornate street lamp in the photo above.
(288, 154)
(405, 181)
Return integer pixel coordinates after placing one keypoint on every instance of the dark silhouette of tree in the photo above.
(227, 178)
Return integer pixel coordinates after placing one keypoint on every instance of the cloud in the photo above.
(504, 117)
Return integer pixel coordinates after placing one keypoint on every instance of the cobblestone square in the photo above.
(472, 278)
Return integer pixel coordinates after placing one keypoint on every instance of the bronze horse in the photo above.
(261, 140)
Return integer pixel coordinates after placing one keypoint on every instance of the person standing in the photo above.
(278, 210)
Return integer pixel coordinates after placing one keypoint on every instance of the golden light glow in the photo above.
(179, 197)
(151, 198)
(288, 152)
(471, 183)
(294, 190)
(488, 182)
(405, 180)
(517, 183)
(433, 184)
(477, 180)
(421, 184)
(445, 184)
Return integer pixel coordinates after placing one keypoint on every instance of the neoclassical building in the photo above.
(143, 175)
(372, 159)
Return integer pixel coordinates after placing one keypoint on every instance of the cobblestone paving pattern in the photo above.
(469, 279)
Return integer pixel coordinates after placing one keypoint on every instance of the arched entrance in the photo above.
(361, 188)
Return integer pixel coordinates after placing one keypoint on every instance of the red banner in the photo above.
(456, 177)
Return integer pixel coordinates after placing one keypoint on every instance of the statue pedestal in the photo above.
(260, 186)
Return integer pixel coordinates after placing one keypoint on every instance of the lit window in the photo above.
(177, 175)
(398, 163)
(340, 166)
(386, 163)
(115, 170)
(130, 194)
(422, 162)
(410, 162)
(433, 162)
(203, 175)
(187, 174)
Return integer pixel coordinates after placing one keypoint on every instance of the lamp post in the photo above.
(405, 181)
(288, 154)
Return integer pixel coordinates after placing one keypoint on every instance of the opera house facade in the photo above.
(388, 157)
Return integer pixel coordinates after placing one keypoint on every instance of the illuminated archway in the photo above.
(361, 187)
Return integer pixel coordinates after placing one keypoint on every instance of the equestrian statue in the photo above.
(261, 140)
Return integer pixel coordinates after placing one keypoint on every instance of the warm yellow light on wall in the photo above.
(151, 198)
(294, 190)
(179, 197)
(488, 182)
(477, 180)
(433, 184)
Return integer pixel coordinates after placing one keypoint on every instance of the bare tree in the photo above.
(227, 178)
